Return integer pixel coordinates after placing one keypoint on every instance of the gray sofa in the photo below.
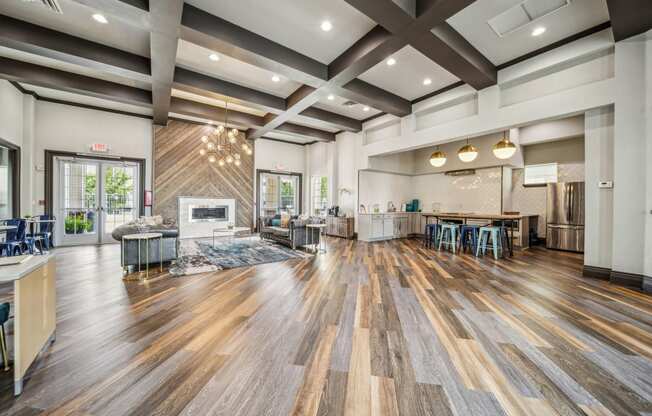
(129, 252)
(296, 235)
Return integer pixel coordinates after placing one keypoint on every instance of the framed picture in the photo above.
(148, 198)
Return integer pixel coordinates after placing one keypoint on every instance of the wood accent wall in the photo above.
(179, 170)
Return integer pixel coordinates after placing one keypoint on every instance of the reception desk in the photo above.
(34, 310)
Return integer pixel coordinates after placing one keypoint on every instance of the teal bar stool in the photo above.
(497, 234)
(448, 235)
(4, 317)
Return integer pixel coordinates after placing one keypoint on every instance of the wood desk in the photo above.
(503, 218)
(34, 310)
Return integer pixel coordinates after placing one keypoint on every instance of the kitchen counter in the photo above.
(34, 307)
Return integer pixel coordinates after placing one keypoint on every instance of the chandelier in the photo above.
(221, 145)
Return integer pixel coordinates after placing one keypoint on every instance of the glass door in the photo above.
(279, 193)
(119, 204)
(79, 202)
(94, 198)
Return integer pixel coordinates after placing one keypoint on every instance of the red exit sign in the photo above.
(100, 148)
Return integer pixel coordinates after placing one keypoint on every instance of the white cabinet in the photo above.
(377, 227)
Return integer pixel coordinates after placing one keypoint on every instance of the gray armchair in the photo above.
(129, 252)
(296, 235)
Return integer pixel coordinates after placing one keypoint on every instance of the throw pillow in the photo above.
(285, 220)
(276, 222)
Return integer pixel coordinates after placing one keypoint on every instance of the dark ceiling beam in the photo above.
(209, 112)
(30, 38)
(334, 119)
(65, 81)
(429, 33)
(165, 18)
(219, 35)
(358, 90)
(629, 17)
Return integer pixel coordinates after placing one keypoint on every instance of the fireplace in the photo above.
(198, 216)
(208, 214)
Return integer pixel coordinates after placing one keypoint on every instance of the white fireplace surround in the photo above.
(189, 228)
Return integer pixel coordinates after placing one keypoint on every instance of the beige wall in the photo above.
(562, 151)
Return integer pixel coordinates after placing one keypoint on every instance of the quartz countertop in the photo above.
(18, 271)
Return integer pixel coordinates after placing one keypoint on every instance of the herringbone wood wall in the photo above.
(179, 170)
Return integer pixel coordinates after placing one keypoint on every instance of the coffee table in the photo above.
(232, 233)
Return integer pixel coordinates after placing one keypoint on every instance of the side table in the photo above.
(321, 228)
(146, 237)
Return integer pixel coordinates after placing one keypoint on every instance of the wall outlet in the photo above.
(606, 184)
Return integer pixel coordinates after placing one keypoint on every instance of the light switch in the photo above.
(606, 184)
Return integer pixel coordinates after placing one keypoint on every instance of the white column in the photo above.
(630, 214)
(28, 198)
(599, 166)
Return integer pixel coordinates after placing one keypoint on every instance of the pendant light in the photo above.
(467, 153)
(438, 158)
(504, 149)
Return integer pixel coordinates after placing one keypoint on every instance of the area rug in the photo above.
(200, 256)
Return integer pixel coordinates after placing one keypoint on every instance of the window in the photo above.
(9, 180)
(319, 194)
(540, 174)
(279, 193)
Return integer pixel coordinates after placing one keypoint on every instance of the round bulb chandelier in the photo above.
(438, 158)
(221, 146)
(504, 149)
(467, 153)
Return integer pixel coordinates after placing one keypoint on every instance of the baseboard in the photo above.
(627, 279)
(596, 272)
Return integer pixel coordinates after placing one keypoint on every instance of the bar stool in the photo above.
(497, 235)
(450, 238)
(469, 237)
(4, 317)
(432, 234)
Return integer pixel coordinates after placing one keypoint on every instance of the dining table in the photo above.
(506, 220)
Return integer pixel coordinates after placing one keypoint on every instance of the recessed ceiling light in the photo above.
(214, 57)
(540, 30)
(391, 61)
(100, 18)
(331, 97)
(276, 78)
(326, 26)
(427, 81)
(365, 108)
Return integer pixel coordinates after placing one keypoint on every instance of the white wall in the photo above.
(599, 166)
(380, 188)
(67, 128)
(11, 113)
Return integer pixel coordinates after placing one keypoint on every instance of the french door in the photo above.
(95, 197)
(279, 193)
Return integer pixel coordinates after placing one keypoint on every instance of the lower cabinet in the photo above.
(376, 227)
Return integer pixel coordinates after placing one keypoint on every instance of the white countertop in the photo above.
(18, 271)
(391, 213)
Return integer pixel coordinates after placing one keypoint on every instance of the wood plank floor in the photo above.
(366, 329)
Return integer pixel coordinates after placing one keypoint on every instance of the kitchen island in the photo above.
(34, 309)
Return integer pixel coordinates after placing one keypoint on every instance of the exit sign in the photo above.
(99, 148)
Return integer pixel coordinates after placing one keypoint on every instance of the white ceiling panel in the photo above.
(76, 20)
(336, 105)
(196, 58)
(406, 77)
(296, 24)
(289, 138)
(473, 24)
(73, 68)
(311, 122)
(83, 99)
(219, 102)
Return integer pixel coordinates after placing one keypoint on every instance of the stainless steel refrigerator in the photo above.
(565, 216)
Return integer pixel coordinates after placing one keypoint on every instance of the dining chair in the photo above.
(15, 240)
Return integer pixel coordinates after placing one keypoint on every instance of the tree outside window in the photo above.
(319, 191)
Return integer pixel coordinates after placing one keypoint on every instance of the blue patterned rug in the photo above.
(200, 256)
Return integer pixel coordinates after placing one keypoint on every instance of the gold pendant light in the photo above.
(504, 149)
(438, 158)
(467, 153)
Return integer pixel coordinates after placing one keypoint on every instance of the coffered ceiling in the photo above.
(282, 73)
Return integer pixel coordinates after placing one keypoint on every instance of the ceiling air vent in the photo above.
(349, 103)
(461, 172)
(50, 4)
(524, 13)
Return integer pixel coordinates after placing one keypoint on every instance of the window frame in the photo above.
(315, 199)
(14, 160)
